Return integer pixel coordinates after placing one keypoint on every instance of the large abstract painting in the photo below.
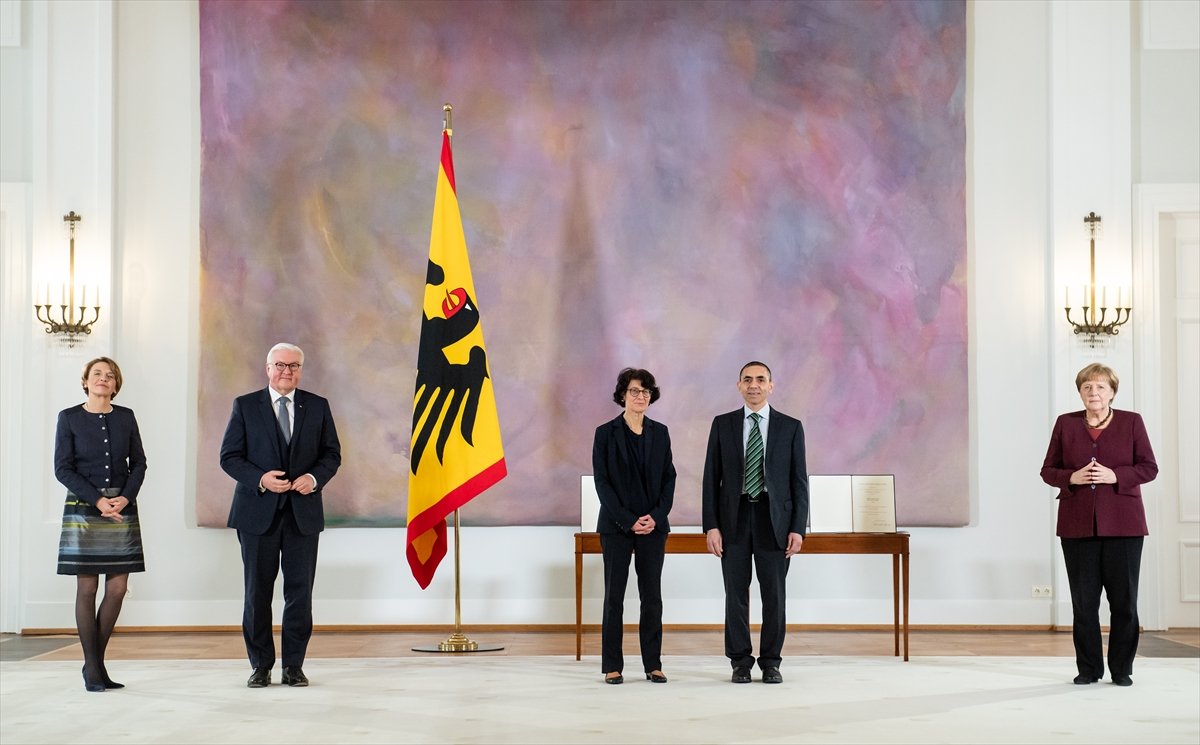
(680, 186)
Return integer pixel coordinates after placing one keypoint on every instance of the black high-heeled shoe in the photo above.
(92, 686)
(109, 683)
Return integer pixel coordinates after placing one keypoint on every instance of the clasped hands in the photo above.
(111, 507)
(1094, 473)
(644, 525)
(274, 481)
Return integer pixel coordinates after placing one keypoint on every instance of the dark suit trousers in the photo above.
(648, 552)
(261, 559)
(754, 541)
(1112, 564)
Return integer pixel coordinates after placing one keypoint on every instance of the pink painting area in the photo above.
(676, 186)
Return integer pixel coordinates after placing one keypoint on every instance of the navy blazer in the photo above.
(1109, 509)
(254, 445)
(98, 451)
(786, 474)
(615, 475)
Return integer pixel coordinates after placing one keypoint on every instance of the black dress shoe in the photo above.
(741, 675)
(1122, 680)
(109, 683)
(260, 678)
(614, 680)
(656, 677)
(92, 685)
(772, 675)
(1082, 680)
(293, 676)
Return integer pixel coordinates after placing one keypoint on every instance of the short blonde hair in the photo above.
(1096, 370)
(87, 369)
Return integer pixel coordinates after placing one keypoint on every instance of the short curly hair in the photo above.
(630, 374)
(87, 369)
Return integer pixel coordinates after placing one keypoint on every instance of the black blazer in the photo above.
(254, 445)
(786, 475)
(615, 475)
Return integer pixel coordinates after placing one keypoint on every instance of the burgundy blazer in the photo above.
(1108, 509)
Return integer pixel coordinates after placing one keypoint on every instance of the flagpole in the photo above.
(457, 641)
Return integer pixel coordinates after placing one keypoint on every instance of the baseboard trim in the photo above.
(553, 628)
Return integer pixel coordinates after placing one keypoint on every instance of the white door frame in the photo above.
(1151, 202)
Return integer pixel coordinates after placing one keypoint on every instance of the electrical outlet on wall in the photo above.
(1042, 591)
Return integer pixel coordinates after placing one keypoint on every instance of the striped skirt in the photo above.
(91, 544)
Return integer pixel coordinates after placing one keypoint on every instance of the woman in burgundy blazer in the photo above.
(1099, 458)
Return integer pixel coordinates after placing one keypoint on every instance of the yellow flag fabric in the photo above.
(456, 452)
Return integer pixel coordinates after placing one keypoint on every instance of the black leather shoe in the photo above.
(656, 677)
(1122, 680)
(92, 685)
(260, 678)
(109, 683)
(1082, 680)
(772, 675)
(614, 680)
(293, 676)
(741, 675)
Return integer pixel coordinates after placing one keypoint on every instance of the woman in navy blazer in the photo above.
(1099, 458)
(635, 480)
(98, 456)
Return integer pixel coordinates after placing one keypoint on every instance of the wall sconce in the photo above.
(66, 328)
(1095, 322)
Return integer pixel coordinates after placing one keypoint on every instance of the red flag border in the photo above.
(434, 518)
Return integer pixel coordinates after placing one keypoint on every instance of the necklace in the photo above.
(1100, 423)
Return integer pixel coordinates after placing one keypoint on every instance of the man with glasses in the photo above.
(282, 449)
(755, 511)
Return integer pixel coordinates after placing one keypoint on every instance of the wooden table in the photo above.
(895, 544)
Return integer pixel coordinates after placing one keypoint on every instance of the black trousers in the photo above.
(262, 556)
(754, 542)
(648, 552)
(1112, 564)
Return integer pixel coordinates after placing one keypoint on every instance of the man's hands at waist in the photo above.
(274, 481)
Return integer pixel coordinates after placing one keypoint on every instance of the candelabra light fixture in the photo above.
(1104, 309)
(66, 327)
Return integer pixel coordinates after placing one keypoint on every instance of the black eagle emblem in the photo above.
(442, 386)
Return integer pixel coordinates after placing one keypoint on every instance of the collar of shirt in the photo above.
(276, 395)
(765, 413)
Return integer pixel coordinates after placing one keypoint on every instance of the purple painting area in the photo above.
(681, 187)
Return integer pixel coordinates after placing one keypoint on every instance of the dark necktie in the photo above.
(285, 422)
(754, 457)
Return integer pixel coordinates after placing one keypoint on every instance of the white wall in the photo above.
(1167, 79)
(1025, 209)
(15, 81)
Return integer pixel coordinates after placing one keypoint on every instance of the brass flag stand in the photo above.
(457, 641)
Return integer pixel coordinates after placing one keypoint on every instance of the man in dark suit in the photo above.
(282, 449)
(755, 511)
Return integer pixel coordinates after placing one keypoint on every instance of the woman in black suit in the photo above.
(635, 480)
(98, 456)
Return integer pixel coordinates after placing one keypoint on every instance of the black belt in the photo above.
(760, 497)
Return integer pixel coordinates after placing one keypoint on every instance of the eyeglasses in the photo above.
(281, 366)
(637, 392)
